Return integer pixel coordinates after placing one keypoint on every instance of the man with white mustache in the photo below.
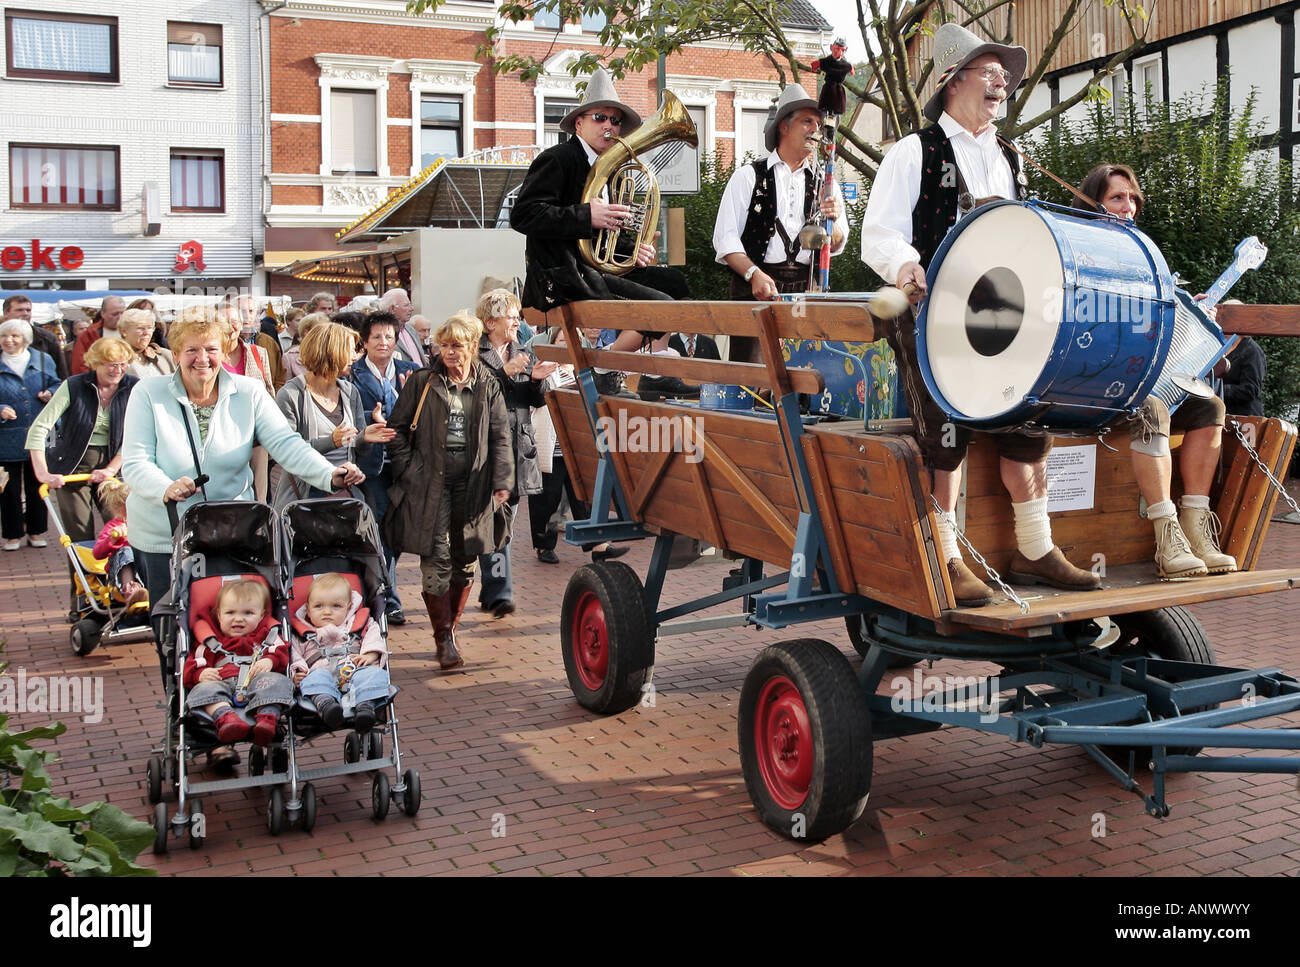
(925, 184)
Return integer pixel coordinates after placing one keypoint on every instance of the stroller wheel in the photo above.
(411, 798)
(256, 761)
(381, 796)
(275, 811)
(160, 828)
(153, 773)
(198, 824)
(279, 760)
(85, 636)
(352, 748)
(308, 820)
(375, 745)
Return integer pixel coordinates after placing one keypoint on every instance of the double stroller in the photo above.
(221, 541)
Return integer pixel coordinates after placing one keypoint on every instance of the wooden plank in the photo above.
(1055, 607)
(1279, 468)
(762, 506)
(829, 512)
(616, 454)
(705, 496)
(780, 380)
(1259, 320)
(562, 405)
(840, 321)
(804, 379)
(650, 480)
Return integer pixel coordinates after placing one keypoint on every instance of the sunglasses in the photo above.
(600, 118)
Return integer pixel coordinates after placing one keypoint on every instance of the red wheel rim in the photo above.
(590, 641)
(783, 742)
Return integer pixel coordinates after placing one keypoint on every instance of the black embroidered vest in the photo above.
(78, 421)
(936, 206)
(760, 225)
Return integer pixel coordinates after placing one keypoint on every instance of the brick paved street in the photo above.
(659, 790)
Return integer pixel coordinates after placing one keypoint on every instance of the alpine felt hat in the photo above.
(600, 93)
(793, 98)
(955, 47)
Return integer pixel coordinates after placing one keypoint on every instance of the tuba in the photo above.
(631, 182)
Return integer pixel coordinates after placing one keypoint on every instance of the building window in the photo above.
(440, 127)
(352, 133)
(546, 19)
(198, 180)
(594, 21)
(194, 54)
(63, 176)
(549, 19)
(1115, 85)
(59, 46)
(553, 112)
(1147, 86)
(750, 141)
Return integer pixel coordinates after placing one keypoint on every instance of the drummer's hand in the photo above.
(8, 413)
(763, 287)
(346, 475)
(912, 274)
(181, 488)
(101, 474)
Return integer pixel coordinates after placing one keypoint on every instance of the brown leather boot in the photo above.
(969, 590)
(457, 598)
(1053, 570)
(439, 608)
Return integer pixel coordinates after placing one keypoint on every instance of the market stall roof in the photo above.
(356, 267)
(475, 191)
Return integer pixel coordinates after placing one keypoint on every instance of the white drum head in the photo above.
(994, 311)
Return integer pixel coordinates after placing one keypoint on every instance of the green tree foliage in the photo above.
(1210, 180)
(44, 835)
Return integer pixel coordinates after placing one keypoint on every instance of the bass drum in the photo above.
(1044, 318)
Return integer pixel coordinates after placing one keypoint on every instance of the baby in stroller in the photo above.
(338, 648)
(239, 663)
(112, 542)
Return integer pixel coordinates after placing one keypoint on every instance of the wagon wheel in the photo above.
(805, 739)
(862, 643)
(606, 635)
(1171, 633)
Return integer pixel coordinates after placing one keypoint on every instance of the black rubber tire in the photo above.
(351, 748)
(196, 810)
(374, 744)
(381, 796)
(275, 811)
(153, 776)
(853, 625)
(256, 761)
(279, 760)
(411, 798)
(607, 637)
(811, 695)
(1173, 634)
(307, 818)
(84, 636)
(160, 828)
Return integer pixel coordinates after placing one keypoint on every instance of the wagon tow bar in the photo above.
(1156, 806)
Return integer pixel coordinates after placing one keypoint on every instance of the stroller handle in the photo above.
(68, 478)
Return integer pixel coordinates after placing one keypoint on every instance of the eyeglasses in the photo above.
(991, 73)
(601, 118)
(112, 366)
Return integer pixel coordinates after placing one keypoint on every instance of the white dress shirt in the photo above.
(733, 213)
(887, 225)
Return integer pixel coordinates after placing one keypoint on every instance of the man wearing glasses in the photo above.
(549, 212)
(926, 182)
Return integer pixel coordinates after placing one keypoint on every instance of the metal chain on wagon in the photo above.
(1005, 588)
(1277, 484)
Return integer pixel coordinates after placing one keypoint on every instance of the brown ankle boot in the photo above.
(457, 598)
(439, 608)
(967, 589)
(1053, 570)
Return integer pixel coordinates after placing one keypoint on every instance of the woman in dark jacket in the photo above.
(453, 469)
(520, 380)
(28, 378)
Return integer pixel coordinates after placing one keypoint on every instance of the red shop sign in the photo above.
(15, 257)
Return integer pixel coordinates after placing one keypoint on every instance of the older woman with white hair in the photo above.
(137, 327)
(28, 379)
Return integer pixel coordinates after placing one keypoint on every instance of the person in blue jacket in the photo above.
(28, 378)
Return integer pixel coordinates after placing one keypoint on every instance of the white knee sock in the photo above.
(1033, 529)
(947, 535)
(1164, 508)
(1194, 502)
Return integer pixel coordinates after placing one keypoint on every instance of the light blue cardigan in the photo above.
(155, 450)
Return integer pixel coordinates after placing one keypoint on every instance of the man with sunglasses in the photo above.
(925, 183)
(550, 212)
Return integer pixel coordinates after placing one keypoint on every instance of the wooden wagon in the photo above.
(842, 515)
